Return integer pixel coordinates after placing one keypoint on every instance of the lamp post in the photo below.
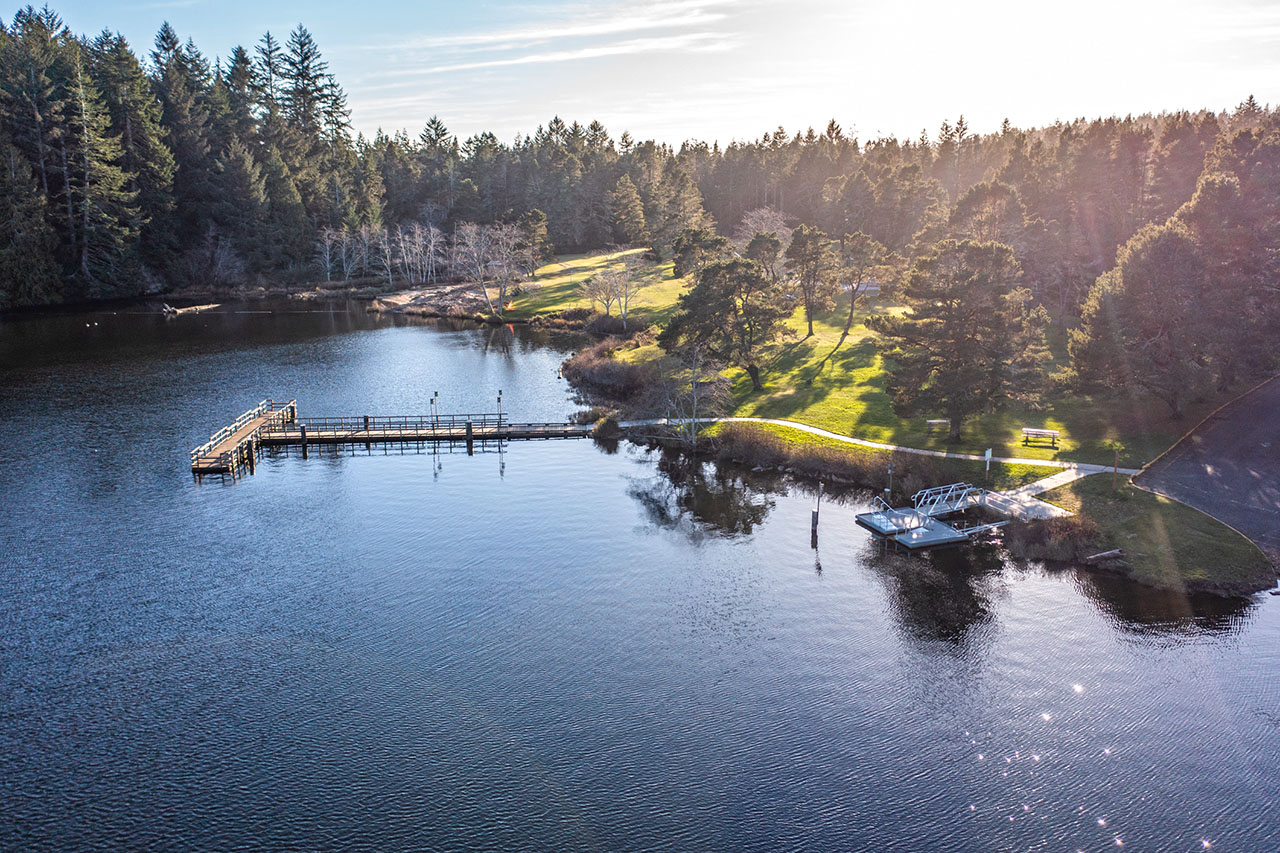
(499, 410)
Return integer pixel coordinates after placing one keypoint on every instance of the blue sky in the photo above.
(710, 69)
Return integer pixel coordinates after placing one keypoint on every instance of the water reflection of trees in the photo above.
(1146, 610)
(947, 595)
(702, 498)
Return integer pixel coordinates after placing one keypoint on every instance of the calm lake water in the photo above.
(557, 647)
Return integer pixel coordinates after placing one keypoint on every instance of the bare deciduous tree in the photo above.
(326, 244)
(470, 258)
(384, 255)
(762, 220)
(689, 389)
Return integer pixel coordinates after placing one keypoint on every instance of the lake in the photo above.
(558, 646)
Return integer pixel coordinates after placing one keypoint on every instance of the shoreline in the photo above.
(1080, 532)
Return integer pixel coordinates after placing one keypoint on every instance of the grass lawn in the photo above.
(1002, 476)
(848, 397)
(557, 287)
(1166, 543)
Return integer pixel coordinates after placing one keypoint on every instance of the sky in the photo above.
(722, 70)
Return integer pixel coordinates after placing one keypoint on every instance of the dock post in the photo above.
(367, 446)
(252, 455)
(304, 441)
(471, 447)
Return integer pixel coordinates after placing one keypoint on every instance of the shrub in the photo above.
(606, 428)
(606, 324)
(1067, 540)
(593, 371)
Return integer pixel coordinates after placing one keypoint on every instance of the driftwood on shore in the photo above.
(1094, 559)
(190, 309)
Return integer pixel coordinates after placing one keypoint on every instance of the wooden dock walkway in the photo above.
(233, 449)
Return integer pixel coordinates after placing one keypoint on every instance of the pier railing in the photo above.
(263, 408)
(426, 425)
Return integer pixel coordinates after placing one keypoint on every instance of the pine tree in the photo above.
(285, 226)
(969, 341)
(627, 213)
(145, 158)
(813, 264)
(28, 273)
(105, 205)
(185, 119)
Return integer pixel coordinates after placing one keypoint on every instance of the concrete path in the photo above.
(1019, 503)
(1229, 467)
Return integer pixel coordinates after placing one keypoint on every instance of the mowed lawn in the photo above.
(1165, 543)
(848, 395)
(558, 287)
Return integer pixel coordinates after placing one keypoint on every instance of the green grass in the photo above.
(1002, 476)
(848, 396)
(1166, 543)
(558, 287)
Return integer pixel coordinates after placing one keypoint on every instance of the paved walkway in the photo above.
(1229, 467)
(1019, 503)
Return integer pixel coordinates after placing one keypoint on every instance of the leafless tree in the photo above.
(504, 260)
(435, 251)
(689, 389)
(347, 250)
(385, 255)
(364, 250)
(326, 244)
(599, 291)
(614, 286)
(470, 258)
(762, 219)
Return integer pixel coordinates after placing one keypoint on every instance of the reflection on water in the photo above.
(945, 595)
(565, 645)
(700, 498)
(1144, 610)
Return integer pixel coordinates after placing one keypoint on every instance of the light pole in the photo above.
(499, 410)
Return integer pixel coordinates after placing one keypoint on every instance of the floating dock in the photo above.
(234, 449)
(920, 526)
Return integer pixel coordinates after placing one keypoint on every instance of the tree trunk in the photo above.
(954, 434)
(754, 373)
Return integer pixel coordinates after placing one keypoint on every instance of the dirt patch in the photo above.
(439, 300)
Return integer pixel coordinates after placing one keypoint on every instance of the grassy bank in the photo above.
(1165, 543)
(774, 446)
(848, 396)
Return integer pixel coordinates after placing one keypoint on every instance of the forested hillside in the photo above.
(126, 174)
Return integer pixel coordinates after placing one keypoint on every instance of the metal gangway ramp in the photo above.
(945, 500)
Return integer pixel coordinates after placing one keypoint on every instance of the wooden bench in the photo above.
(937, 423)
(1029, 433)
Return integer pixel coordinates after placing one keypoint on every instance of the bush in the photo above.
(590, 416)
(593, 371)
(606, 428)
(606, 324)
(1065, 540)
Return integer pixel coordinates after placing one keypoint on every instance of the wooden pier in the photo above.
(233, 449)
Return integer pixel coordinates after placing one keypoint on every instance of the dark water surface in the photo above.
(554, 648)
